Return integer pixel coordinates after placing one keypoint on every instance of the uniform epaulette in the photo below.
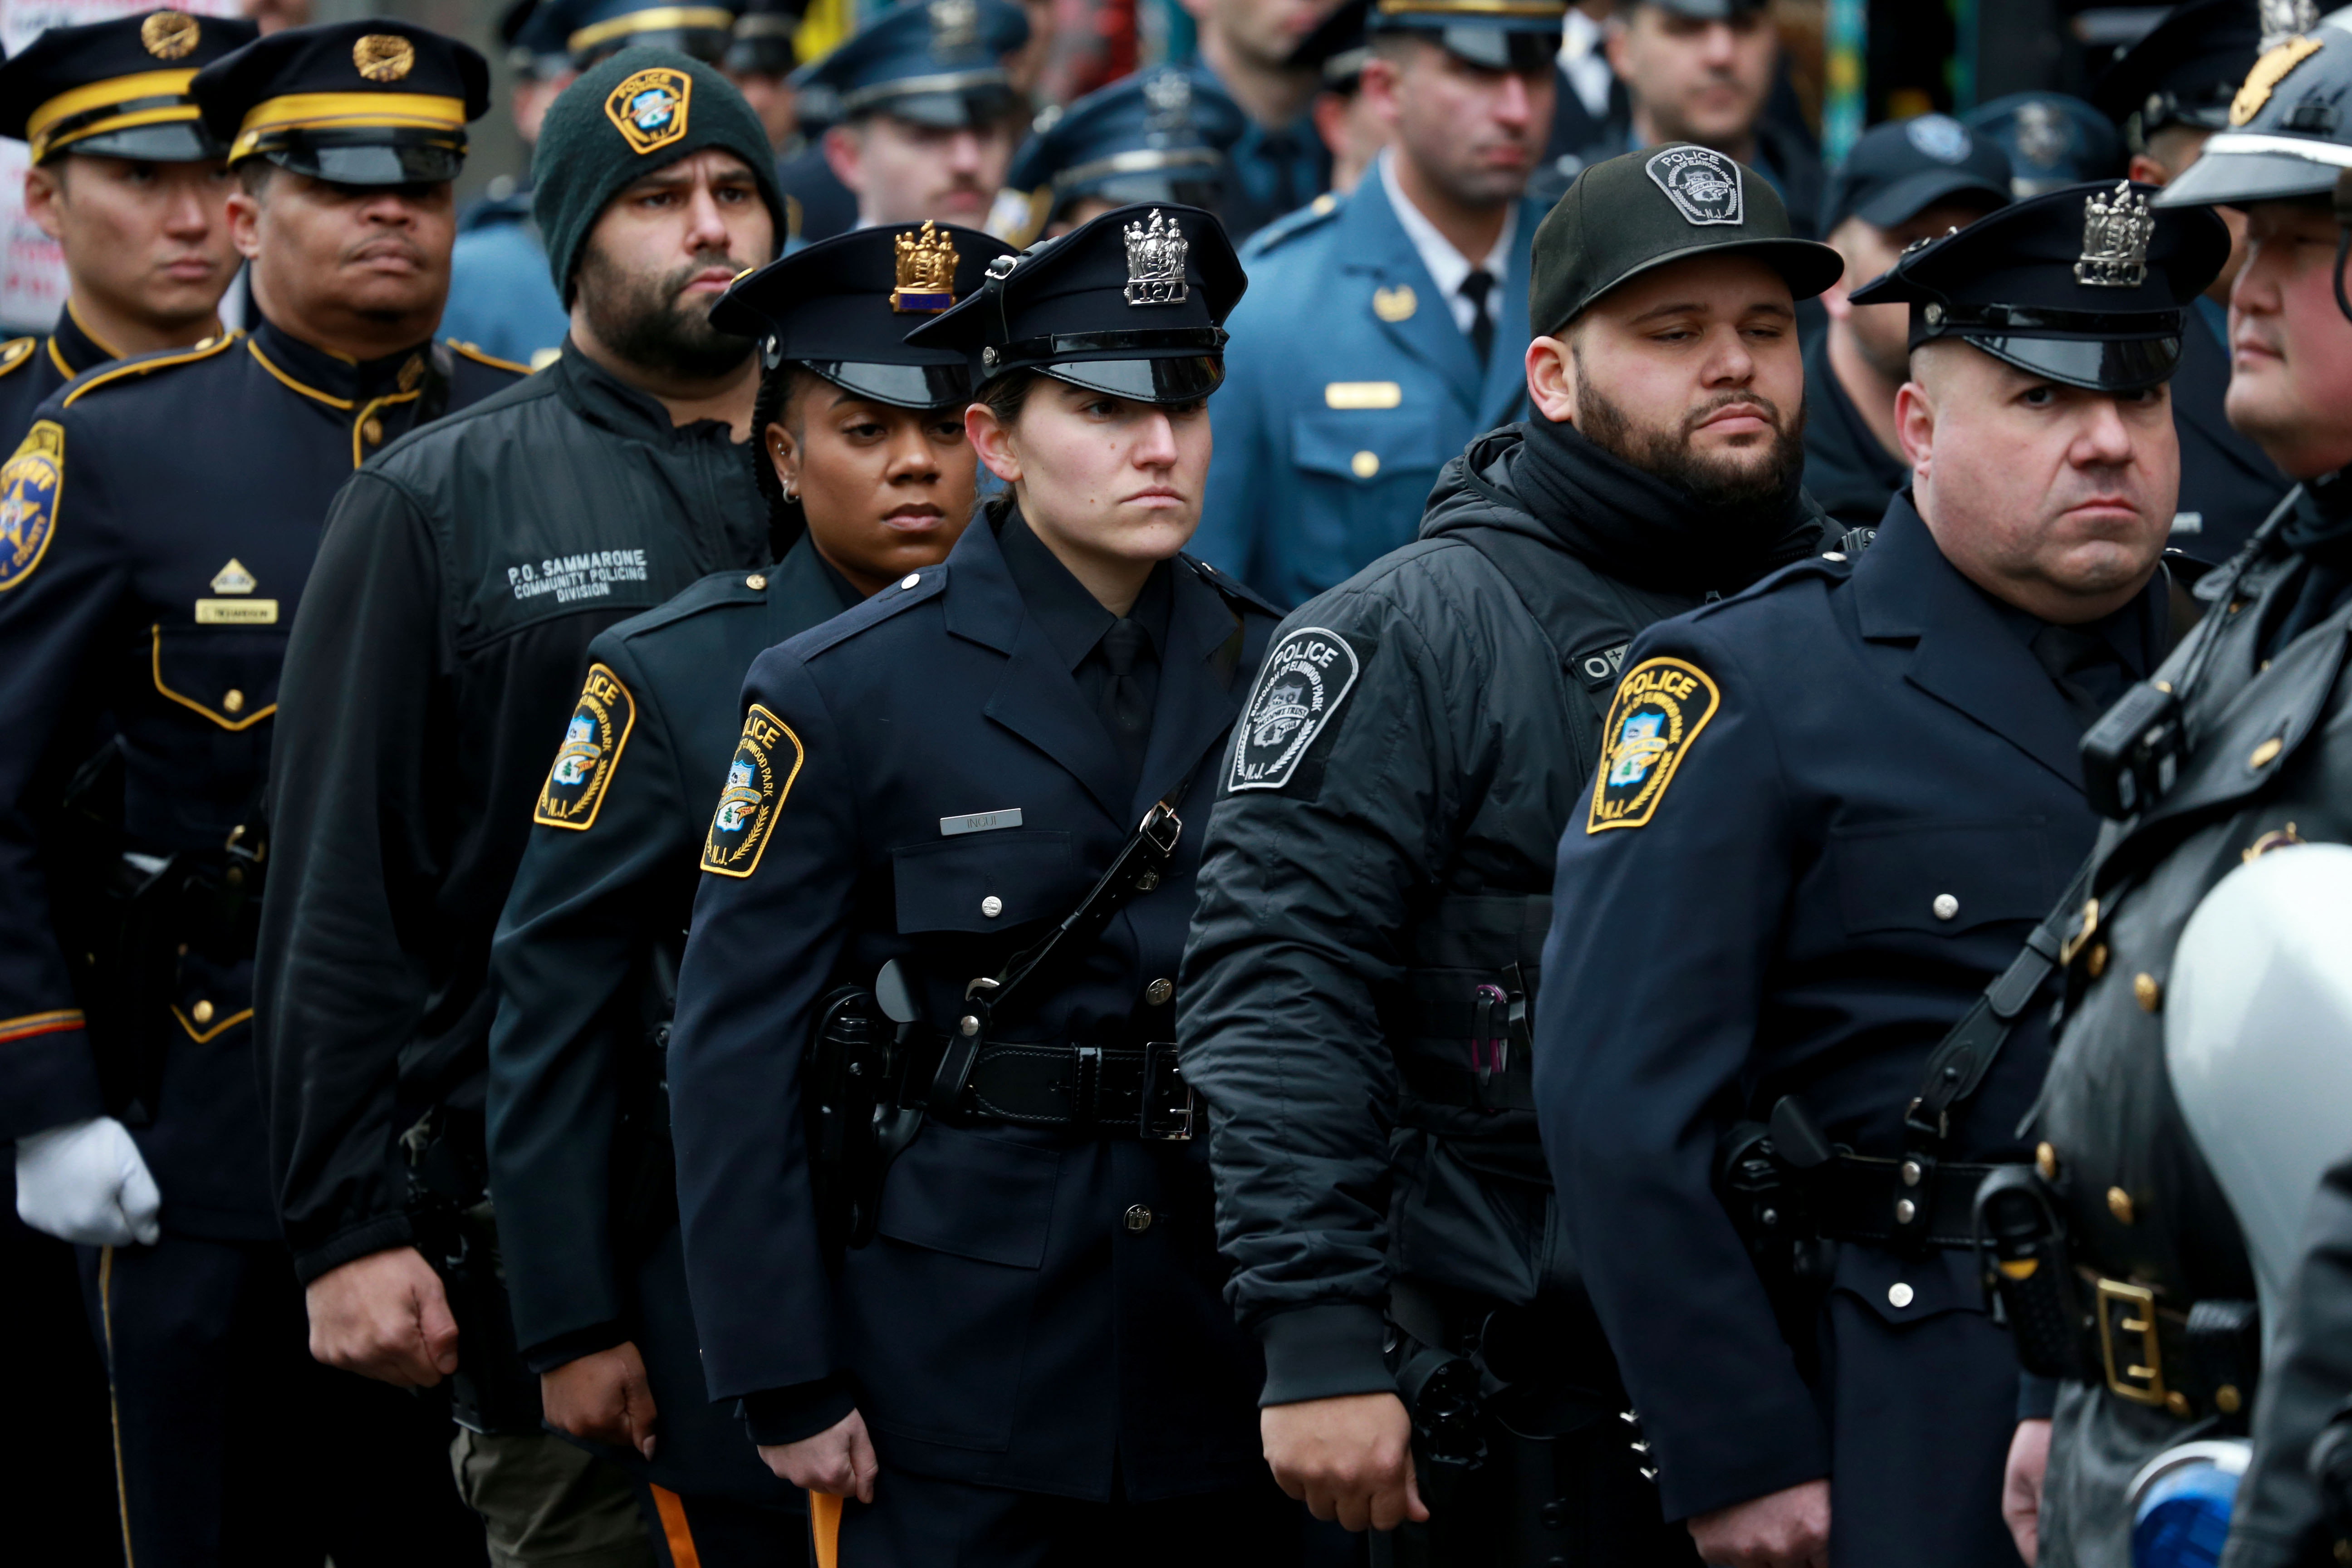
(907, 591)
(1231, 587)
(473, 353)
(1288, 227)
(17, 352)
(140, 365)
(718, 589)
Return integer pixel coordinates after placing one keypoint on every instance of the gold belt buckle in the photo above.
(2130, 1310)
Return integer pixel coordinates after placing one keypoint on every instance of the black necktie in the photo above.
(2085, 668)
(1474, 289)
(1125, 700)
(1281, 150)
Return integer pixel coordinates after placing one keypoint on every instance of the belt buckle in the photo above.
(1161, 1066)
(2131, 1308)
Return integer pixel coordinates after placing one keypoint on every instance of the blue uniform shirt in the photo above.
(1269, 172)
(501, 299)
(1347, 387)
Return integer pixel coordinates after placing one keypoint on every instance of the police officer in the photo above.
(2251, 758)
(2170, 92)
(924, 112)
(1159, 136)
(2052, 140)
(1827, 812)
(163, 516)
(862, 435)
(459, 583)
(1344, 118)
(1022, 1325)
(759, 60)
(125, 180)
(1361, 964)
(1249, 51)
(1902, 182)
(1382, 333)
(499, 298)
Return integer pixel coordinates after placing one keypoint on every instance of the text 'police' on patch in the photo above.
(1298, 692)
(767, 760)
(583, 766)
(1660, 709)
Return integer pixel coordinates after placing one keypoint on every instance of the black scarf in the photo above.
(2320, 531)
(1641, 530)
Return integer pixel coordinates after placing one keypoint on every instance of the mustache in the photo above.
(1757, 401)
(679, 279)
(377, 245)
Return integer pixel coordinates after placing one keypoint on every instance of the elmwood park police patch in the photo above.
(1659, 708)
(649, 109)
(30, 483)
(1298, 692)
(591, 749)
(767, 760)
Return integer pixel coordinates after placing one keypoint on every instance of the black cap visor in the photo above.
(2096, 365)
(975, 106)
(1806, 266)
(369, 157)
(708, 45)
(899, 385)
(1191, 187)
(174, 141)
(2240, 167)
(1503, 43)
(1909, 196)
(1187, 379)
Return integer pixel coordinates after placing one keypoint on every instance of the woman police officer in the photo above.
(1030, 1344)
(864, 463)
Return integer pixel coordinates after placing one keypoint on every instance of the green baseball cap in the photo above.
(1656, 207)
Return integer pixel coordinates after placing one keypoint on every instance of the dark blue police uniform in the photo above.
(1161, 135)
(1828, 811)
(1033, 1331)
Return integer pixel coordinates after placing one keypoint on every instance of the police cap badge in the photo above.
(649, 107)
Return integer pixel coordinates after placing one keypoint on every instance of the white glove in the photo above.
(84, 1181)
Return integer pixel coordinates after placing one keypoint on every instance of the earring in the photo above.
(792, 493)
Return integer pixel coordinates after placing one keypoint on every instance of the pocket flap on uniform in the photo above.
(228, 674)
(1909, 1289)
(984, 881)
(970, 1194)
(1942, 877)
(1365, 446)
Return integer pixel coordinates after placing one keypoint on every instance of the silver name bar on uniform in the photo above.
(980, 822)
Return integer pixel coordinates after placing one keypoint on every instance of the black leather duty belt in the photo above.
(1870, 1200)
(1111, 1091)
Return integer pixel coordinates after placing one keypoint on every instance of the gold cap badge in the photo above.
(170, 35)
(2268, 72)
(648, 109)
(384, 57)
(927, 265)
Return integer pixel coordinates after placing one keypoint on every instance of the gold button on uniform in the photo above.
(202, 1012)
(2119, 1204)
(755, 581)
(1365, 464)
(2097, 963)
(372, 431)
(1945, 907)
(2146, 993)
(2045, 1160)
(1159, 991)
(2266, 753)
(2178, 1402)
(1138, 1218)
(992, 906)
(2227, 1399)
(234, 702)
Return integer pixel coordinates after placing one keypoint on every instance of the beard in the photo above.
(1740, 486)
(642, 320)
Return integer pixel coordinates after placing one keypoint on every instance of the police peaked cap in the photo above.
(939, 64)
(2052, 140)
(2185, 70)
(592, 30)
(377, 102)
(1500, 35)
(764, 37)
(2083, 284)
(843, 307)
(1639, 211)
(2290, 131)
(1160, 135)
(1339, 47)
(1132, 303)
(118, 89)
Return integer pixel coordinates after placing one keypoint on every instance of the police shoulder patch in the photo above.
(1305, 679)
(30, 483)
(1659, 708)
(591, 747)
(767, 760)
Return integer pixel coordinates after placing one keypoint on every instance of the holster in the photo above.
(450, 1215)
(847, 1087)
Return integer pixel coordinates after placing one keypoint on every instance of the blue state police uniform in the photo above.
(501, 299)
(1347, 387)
(161, 515)
(1039, 1311)
(1831, 810)
(1274, 172)
(598, 911)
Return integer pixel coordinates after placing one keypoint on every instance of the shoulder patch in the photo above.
(591, 747)
(16, 352)
(475, 353)
(1599, 667)
(767, 760)
(1659, 708)
(30, 483)
(1299, 689)
(140, 365)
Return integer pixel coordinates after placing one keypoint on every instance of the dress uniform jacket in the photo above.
(460, 582)
(1860, 794)
(2267, 741)
(1347, 387)
(2227, 485)
(592, 928)
(1038, 1311)
(164, 512)
(32, 370)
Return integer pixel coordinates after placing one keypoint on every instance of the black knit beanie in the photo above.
(641, 110)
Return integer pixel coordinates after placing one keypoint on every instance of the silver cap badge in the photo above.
(1169, 98)
(955, 25)
(2285, 20)
(1155, 262)
(2116, 228)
